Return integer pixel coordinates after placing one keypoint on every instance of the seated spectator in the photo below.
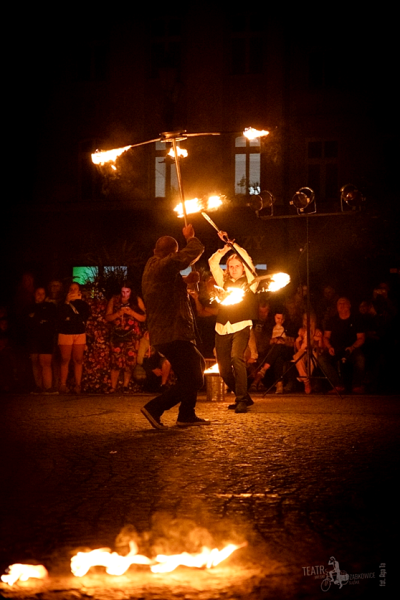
(40, 334)
(296, 305)
(344, 337)
(301, 357)
(327, 305)
(260, 336)
(280, 352)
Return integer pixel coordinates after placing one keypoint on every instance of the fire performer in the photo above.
(171, 326)
(234, 321)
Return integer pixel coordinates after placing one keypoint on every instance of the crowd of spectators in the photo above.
(63, 338)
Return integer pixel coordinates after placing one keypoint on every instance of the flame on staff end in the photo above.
(252, 133)
(199, 205)
(277, 281)
(104, 156)
(206, 558)
(181, 152)
(114, 563)
(24, 572)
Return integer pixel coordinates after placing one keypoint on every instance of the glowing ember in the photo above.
(195, 205)
(229, 296)
(206, 558)
(103, 157)
(23, 572)
(211, 370)
(114, 563)
(252, 133)
(278, 281)
(180, 152)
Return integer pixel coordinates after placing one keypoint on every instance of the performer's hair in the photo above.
(165, 245)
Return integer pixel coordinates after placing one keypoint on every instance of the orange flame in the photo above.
(206, 558)
(229, 296)
(278, 281)
(195, 205)
(114, 563)
(180, 152)
(211, 370)
(24, 572)
(105, 156)
(252, 133)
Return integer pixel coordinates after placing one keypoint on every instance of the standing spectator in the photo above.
(8, 363)
(55, 296)
(96, 366)
(344, 337)
(40, 332)
(172, 328)
(126, 313)
(72, 317)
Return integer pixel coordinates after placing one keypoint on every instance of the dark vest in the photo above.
(243, 311)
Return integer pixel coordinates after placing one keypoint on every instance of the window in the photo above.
(246, 44)
(166, 48)
(166, 180)
(247, 166)
(323, 171)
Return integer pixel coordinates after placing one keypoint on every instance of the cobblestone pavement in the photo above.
(299, 478)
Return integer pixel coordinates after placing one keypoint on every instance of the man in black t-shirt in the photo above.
(344, 337)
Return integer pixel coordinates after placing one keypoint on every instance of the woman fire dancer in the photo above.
(234, 322)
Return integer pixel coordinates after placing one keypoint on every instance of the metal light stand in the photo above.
(311, 358)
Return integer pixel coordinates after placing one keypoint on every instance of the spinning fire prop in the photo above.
(252, 133)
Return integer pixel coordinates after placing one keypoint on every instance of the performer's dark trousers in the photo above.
(230, 349)
(188, 366)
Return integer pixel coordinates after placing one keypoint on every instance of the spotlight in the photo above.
(262, 204)
(350, 196)
(304, 199)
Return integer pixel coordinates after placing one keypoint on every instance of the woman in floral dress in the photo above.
(127, 314)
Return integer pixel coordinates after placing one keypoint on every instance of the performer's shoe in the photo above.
(193, 421)
(249, 402)
(241, 407)
(336, 390)
(279, 388)
(358, 389)
(152, 419)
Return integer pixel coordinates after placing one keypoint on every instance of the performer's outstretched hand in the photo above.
(188, 232)
(224, 237)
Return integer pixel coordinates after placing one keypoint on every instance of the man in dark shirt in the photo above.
(171, 327)
(343, 338)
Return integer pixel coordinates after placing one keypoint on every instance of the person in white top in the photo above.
(234, 322)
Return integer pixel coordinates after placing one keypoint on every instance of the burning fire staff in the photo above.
(171, 327)
(234, 321)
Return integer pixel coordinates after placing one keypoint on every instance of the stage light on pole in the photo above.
(262, 204)
(304, 201)
(350, 196)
